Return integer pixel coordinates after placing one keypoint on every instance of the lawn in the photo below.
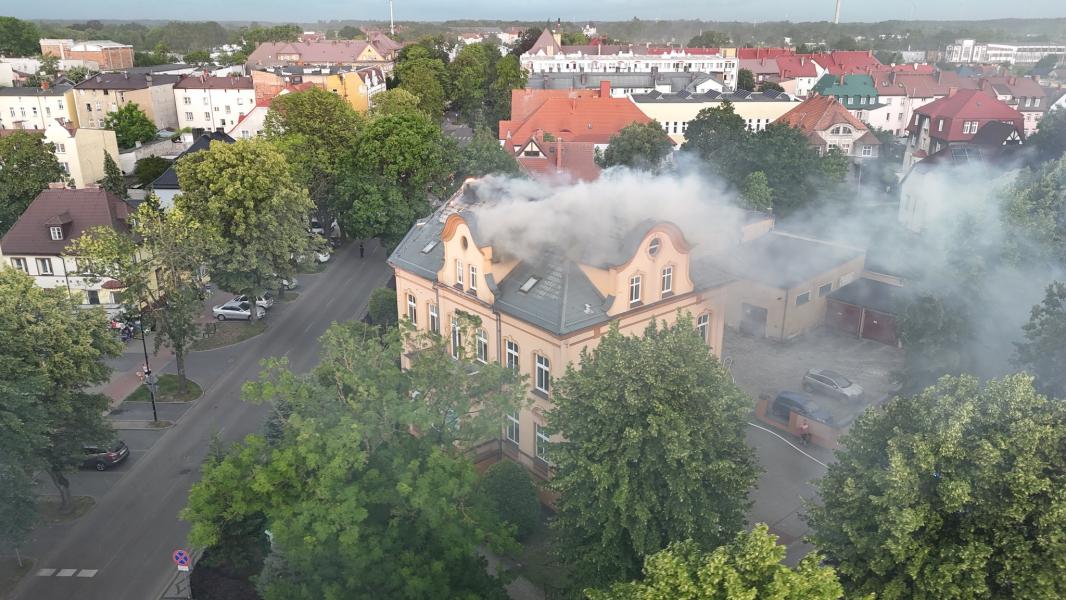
(535, 561)
(11, 572)
(225, 333)
(166, 391)
(51, 513)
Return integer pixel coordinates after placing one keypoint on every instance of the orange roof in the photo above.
(819, 113)
(582, 116)
(563, 162)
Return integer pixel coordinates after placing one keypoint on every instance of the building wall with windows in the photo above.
(213, 109)
(33, 108)
(675, 112)
(81, 151)
(156, 99)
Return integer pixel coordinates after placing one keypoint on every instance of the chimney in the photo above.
(951, 91)
(558, 153)
(605, 89)
(841, 79)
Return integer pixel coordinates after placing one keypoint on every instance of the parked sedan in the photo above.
(237, 310)
(103, 457)
(801, 404)
(832, 384)
(265, 300)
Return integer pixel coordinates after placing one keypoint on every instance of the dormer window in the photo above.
(56, 232)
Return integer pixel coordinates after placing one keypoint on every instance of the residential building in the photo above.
(1023, 94)
(353, 53)
(558, 161)
(29, 65)
(828, 125)
(81, 151)
(166, 185)
(207, 103)
(856, 93)
(549, 55)
(972, 51)
(762, 69)
(36, 244)
(105, 93)
(538, 314)
(675, 111)
(7, 75)
(625, 84)
(251, 124)
(797, 74)
(903, 92)
(356, 85)
(590, 116)
(955, 120)
(110, 56)
(33, 108)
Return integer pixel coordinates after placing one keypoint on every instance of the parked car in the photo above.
(316, 227)
(103, 457)
(801, 404)
(288, 284)
(831, 383)
(265, 300)
(237, 310)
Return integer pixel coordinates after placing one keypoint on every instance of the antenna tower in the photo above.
(392, 24)
(836, 15)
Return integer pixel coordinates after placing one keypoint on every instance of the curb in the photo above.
(234, 343)
(140, 425)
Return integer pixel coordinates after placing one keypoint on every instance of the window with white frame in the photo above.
(482, 345)
(803, 298)
(514, 431)
(668, 280)
(634, 289)
(459, 272)
(55, 232)
(543, 442)
(824, 289)
(44, 266)
(867, 150)
(457, 337)
(703, 326)
(434, 318)
(412, 309)
(512, 356)
(20, 264)
(543, 379)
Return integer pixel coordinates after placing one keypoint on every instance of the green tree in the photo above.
(951, 493)
(512, 496)
(643, 146)
(1035, 207)
(78, 74)
(718, 136)
(158, 261)
(27, 166)
(745, 80)
(748, 567)
(525, 41)
(484, 156)
(114, 181)
(198, 57)
(933, 332)
(770, 86)
(61, 349)
(509, 75)
(394, 102)
(349, 32)
(244, 197)
(678, 467)
(710, 39)
(1043, 351)
(316, 130)
(382, 307)
(797, 175)
(1049, 142)
(130, 125)
(425, 78)
(574, 38)
(49, 66)
(756, 192)
(149, 168)
(470, 75)
(18, 38)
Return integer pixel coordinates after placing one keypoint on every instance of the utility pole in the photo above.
(836, 15)
(150, 379)
(392, 24)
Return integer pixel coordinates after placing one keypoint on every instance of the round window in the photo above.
(462, 242)
(653, 247)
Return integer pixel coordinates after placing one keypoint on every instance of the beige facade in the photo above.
(34, 108)
(156, 100)
(674, 113)
(81, 151)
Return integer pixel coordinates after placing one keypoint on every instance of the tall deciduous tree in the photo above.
(159, 262)
(244, 196)
(745, 80)
(394, 102)
(1044, 348)
(114, 181)
(508, 75)
(27, 166)
(709, 39)
(470, 74)
(149, 168)
(484, 156)
(525, 41)
(718, 135)
(749, 567)
(18, 38)
(952, 493)
(643, 146)
(425, 78)
(130, 125)
(60, 349)
(654, 452)
(756, 192)
(1049, 142)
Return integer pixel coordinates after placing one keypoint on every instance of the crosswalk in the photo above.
(67, 572)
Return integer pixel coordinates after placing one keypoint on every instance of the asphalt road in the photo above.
(128, 537)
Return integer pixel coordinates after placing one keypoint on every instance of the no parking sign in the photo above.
(181, 558)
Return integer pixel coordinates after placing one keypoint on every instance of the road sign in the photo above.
(181, 558)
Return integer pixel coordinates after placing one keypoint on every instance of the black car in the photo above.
(801, 404)
(103, 458)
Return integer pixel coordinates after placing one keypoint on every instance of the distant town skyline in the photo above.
(602, 10)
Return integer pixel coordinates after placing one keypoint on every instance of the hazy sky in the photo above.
(574, 10)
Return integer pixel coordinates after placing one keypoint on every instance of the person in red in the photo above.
(805, 432)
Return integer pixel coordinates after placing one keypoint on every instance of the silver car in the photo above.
(237, 310)
(265, 300)
(831, 383)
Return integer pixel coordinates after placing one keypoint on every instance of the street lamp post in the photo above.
(149, 379)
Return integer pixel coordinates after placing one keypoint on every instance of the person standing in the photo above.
(805, 432)
(361, 249)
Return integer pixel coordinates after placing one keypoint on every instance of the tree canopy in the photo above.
(482, 156)
(749, 567)
(643, 146)
(654, 452)
(745, 80)
(130, 125)
(709, 39)
(471, 74)
(27, 166)
(951, 493)
(426, 79)
(114, 181)
(18, 38)
(1044, 351)
(508, 75)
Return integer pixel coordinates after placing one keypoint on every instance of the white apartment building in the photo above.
(208, 103)
(971, 51)
(33, 108)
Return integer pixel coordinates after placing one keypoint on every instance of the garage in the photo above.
(843, 316)
(865, 308)
(753, 320)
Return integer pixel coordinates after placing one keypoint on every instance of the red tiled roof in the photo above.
(760, 66)
(796, 66)
(1023, 87)
(919, 85)
(820, 113)
(577, 163)
(575, 116)
(962, 106)
(691, 51)
(324, 52)
(78, 210)
(200, 82)
(757, 53)
(846, 62)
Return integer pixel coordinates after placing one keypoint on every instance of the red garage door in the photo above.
(880, 327)
(845, 317)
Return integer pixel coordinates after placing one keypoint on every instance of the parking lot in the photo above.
(767, 367)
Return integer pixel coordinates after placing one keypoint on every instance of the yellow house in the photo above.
(81, 151)
(675, 111)
(357, 86)
(538, 313)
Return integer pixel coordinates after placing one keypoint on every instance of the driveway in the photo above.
(121, 549)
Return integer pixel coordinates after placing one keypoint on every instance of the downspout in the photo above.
(784, 317)
(436, 294)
